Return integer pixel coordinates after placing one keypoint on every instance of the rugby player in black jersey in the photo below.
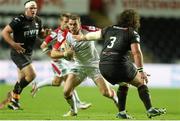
(115, 64)
(25, 28)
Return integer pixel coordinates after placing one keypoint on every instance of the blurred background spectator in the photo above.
(160, 21)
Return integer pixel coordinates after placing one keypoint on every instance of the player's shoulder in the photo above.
(115, 27)
(37, 19)
(132, 31)
(64, 34)
(90, 28)
(58, 29)
(134, 34)
(19, 18)
(106, 29)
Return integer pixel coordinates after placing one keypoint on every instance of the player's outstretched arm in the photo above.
(91, 36)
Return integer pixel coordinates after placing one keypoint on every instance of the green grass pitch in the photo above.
(49, 104)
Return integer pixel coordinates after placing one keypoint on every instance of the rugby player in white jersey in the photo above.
(60, 67)
(86, 63)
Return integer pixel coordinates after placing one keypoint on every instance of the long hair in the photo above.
(129, 18)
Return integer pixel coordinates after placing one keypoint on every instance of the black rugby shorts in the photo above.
(21, 60)
(116, 73)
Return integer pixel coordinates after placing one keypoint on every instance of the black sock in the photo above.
(145, 96)
(70, 101)
(122, 94)
(19, 86)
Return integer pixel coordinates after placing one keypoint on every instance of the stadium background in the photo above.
(160, 23)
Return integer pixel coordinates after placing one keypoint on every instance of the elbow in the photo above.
(55, 54)
(136, 54)
(3, 33)
(53, 57)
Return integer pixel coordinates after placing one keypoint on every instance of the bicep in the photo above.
(8, 29)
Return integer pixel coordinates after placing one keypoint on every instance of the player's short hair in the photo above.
(75, 17)
(62, 15)
(129, 18)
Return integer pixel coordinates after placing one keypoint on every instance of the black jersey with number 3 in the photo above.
(117, 41)
(114, 64)
(26, 30)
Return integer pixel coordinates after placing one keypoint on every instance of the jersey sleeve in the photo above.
(16, 23)
(52, 36)
(61, 37)
(134, 37)
(90, 28)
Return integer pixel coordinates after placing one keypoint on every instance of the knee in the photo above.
(56, 83)
(30, 76)
(105, 92)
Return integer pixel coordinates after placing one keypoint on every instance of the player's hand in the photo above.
(144, 76)
(79, 37)
(45, 48)
(43, 45)
(19, 48)
(45, 32)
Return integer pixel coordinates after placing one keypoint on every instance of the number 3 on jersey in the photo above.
(113, 39)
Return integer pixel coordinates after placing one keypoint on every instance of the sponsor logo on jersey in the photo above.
(31, 33)
(37, 25)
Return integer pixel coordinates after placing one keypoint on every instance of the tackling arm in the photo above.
(89, 36)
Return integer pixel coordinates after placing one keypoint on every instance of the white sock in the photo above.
(115, 98)
(76, 96)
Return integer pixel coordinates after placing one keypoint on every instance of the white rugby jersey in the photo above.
(85, 51)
